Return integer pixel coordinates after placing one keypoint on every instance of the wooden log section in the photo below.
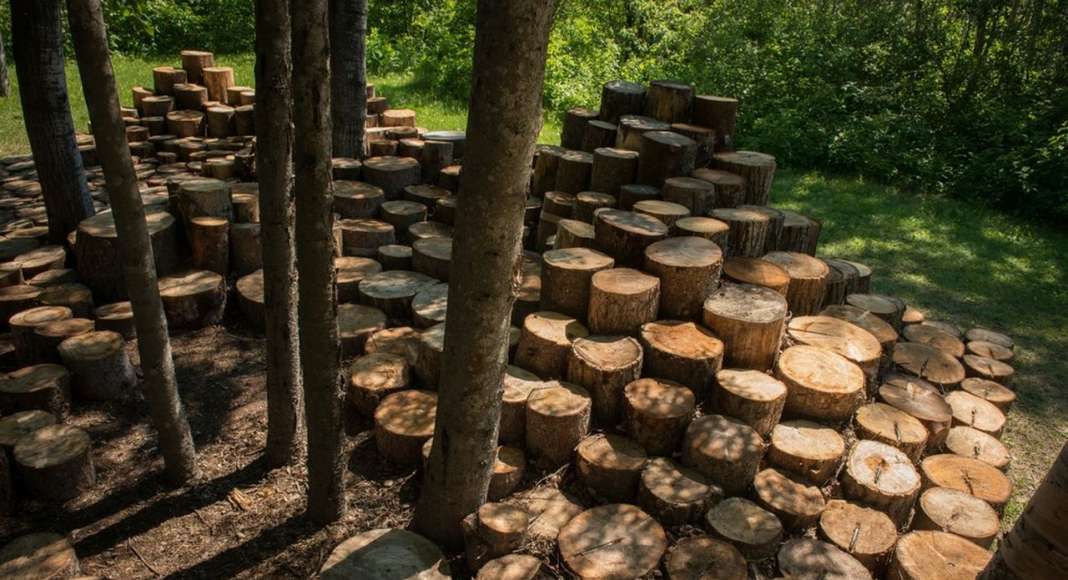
(392, 292)
(597, 134)
(748, 231)
(44, 387)
(186, 123)
(631, 128)
(10, 275)
(612, 541)
(621, 300)
(844, 338)
(528, 291)
(432, 256)
(512, 567)
(972, 411)
(665, 211)
(719, 114)
(971, 442)
(394, 257)
(435, 156)
(807, 449)
(403, 422)
(518, 384)
(40, 555)
(246, 251)
(881, 306)
(588, 202)
(431, 347)
(193, 299)
(669, 101)
(494, 530)
(428, 195)
(430, 305)
(100, 365)
(558, 417)
(398, 118)
(373, 377)
(808, 558)
(17, 425)
(923, 401)
(821, 384)
(54, 462)
(40, 260)
(386, 552)
(632, 193)
(775, 221)
(344, 169)
(697, 195)
(949, 510)
(928, 363)
(758, 170)
(97, 251)
(422, 230)
(245, 120)
(987, 368)
(725, 450)
(758, 272)
(887, 424)
(703, 136)
(799, 233)
(604, 366)
(990, 350)
(729, 187)
(682, 352)
(624, 235)
(47, 337)
(664, 154)
(750, 320)
(612, 168)
(250, 300)
(402, 341)
(546, 232)
(246, 207)
(688, 268)
(753, 397)
(362, 236)
(808, 280)
(923, 555)
(209, 238)
(204, 197)
(220, 121)
(573, 172)
(620, 98)
(508, 469)
(355, 199)
(609, 466)
(704, 557)
(575, 126)
(882, 477)
(559, 203)
(355, 323)
(391, 174)
(710, 229)
(194, 62)
(864, 533)
(545, 343)
(987, 335)
(797, 504)
(997, 394)
(656, 414)
(234, 94)
(932, 336)
(879, 328)
(165, 77)
(75, 296)
(675, 495)
(23, 324)
(755, 531)
(573, 234)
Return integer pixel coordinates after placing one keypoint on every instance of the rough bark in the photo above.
(161, 386)
(5, 85)
(274, 158)
(317, 306)
(509, 67)
(348, 75)
(39, 61)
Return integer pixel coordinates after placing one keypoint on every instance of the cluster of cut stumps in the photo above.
(680, 359)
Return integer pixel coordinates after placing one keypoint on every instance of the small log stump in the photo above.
(664, 154)
(710, 229)
(921, 400)
(657, 413)
(220, 121)
(209, 238)
(494, 530)
(100, 365)
(604, 365)
(808, 449)
(575, 126)
(675, 495)
(755, 531)
(930, 555)
(612, 169)
(889, 425)
(430, 305)
(987, 335)
(609, 466)
(969, 475)
(620, 98)
(363, 236)
(398, 118)
(844, 338)
(250, 299)
(725, 450)
(24, 323)
(702, 557)
(808, 558)
(40, 260)
(978, 413)
(750, 320)
(193, 299)
(703, 136)
(402, 213)
(821, 384)
(881, 306)
(797, 504)
(42, 555)
(719, 114)
(949, 510)
(431, 351)
(573, 172)
(15, 299)
(632, 193)
(394, 257)
(204, 197)
(696, 195)
(588, 202)
(421, 230)
(54, 462)
(748, 231)
(355, 199)
(775, 222)
(403, 422)
(386, 553)
(730, 187)
(97, 254)
(432, 256)
(928, 363)
(17, 425)
(47, 337)
(44, 387)
(598, 134)
(621, 300)
(75, 296)
(373, 377)
(758, 272)
(392, 292)
(988, 368)
(246, 250)
(688, 269)
(573, 234)
(558, 417)
(165, 77)
(566, 276)
(669, 101)
(518, 385)
(545, 343)
(883, 477)
(402, 341)
(864, 533)
(194, 62)
(508, 469)
(391, 174)
(682, 352)
(970, 442)
(546, 161)
(799, 233)
(934, 337)
(630, 128)
(808, 281)
(977, 347)
(758, 170)
(355, 323)
(753, 397)
(612, 541)
(512, 567)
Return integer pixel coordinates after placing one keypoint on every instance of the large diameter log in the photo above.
(386, 552)
(97, 252)
(100, 365)
(604, 365)
(54, 462)
(44, 387)
(972, 411)
(688, 268)
(39, 555)
(808, 449)
(750, 320)
(882, 477)
(193, 299)
(612, 168)
(613, 541)
(621, 300)
(545, 343)
(620, 98)
(558, 417)
(725, 450)
(575, 126)
(758, 170)
(753, 397)
(950, 510)
(392, 292)
(748, 231)
(665, 154)
(758, 272)
(969, 442)
(730, 187)
(887, 424)
(808, 558)
(573, 171)
(624, 235)
(209, 238)
(675, 495)
(808, 281)
(797, 504)
(682, 352)
(821, 384)
(702, 556)
(969, 475)
(656, 414)
(864, 533)
(922, 400)
(924, 555)
(844, 338)
(403, 422)
(194, 62)
(928, 363)
(719, 114)
(609, 466)
(755, 531)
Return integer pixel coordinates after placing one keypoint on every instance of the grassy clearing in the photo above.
(953, 260)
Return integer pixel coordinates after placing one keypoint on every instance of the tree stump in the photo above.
(209, 238)
(930, 555)
(508, 469)
(968, 475)
(928, 363)
(373, 377)
(512, 567)
(669, 101)
(996, 394)
(494, 530)
(246, 249)
(797, 505)
(842, 278)
(883, 477)
(545, 343)
(975, 412)
(250, 299)
(54, 462)
(386, 553)
(620, 98)
(100, 365)
(97, 253)
(696, 195)
(10, 275)
(674, 494)
(821, 384)
(750, 320)
(725, 450)
(775, 222)
(428, 195)
(664, 154)
(808, 449)
(729, 187)
(391, 174)
(597, 134)
(518, 384)
(703, 136)
(986, 349)
(754, 531)
(362, 236)
(558, 417)
(47, 337)
(630, 128)
(24, 323)
(546, 232)
(575, 126)
(710, 229)
(355, 323)
(719, 114)
(808, 558)
(879, 328)
(75, 296)
(934, 337)
(204, 198)
(394, 257)
(403, 422)
(587, 202)
(401, 213)
(970, 442)
(392, 292)
(752, 397)
(688, 269)
(758, 170)
(355, 199)
(948, 510)
(866, 534)
(624, 235)
(621, 300)
(988, 368)
(40, 260)
(431, 351)
(44, 387)
(41, 555)
(758, 272)
(613, 541)
(424, 230)
(194, 62)
(432, 256)
(573, 234)
(748, 231)
(430, 305)
(798, 234)
(604, 365)
(922, 400)
(17, 425)
(573, 172)
(15, 299)
(656, 413)
(808, 280)
(546, 161)
(402, 341)
(886, 424)
(165, 77)
(844, 338)
(609, 466)
(193, 299)
(682, 352)
(612, 169)
(702, 557)
(220, 121)
(632, 193)
(559, 203)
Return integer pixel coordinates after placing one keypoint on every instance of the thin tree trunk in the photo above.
(274, 169)
(5, 84)
(348, 80)
(37, 40)
(319, 353)
(139, 265)
(505, 117)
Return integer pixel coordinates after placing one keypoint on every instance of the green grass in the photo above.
(953, 260)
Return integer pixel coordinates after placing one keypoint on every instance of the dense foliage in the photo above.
(962, 96)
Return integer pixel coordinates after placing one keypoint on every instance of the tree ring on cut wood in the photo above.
(923, 555)
(883, 477)
(890, 425)
(193, 299)
(705, 558)
(546, 341)
(990, 350)
(673, 494)
(970, 442)
(117, 317)
(990, 336)
(976, 412)
(864, 533)
(753, 397)
(609, 466)
(928, 363)
(922, 400)
(604, 365)
(758, 272)
(988, 368)
(614, 541)
(969, 475)
(392, 292)
(373, 377)
(55, 463)
(17, 425)
(403, 422)
(682, 352)
(844, 338)
(795, 503)
(386, 553)
(624, 235)
(808, 449)
(808, 558)
(45, 387)
(725, 450)
(950, 510)
(755, 531)
(821, 384)
(24, 323)
(934, 337)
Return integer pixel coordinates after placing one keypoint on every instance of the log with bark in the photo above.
(557, 418)
(612, 541)
(748, 231)
(675, 495)
(758, 170)
(936, 554)
(621, 300)
(750, 320)
(664, 154)
(755, 531)
(808, 449)
(881, 476)
(725, 450)
(604, 366)
(682, 352)
(101, 368)
(55, 463)
(609, 467)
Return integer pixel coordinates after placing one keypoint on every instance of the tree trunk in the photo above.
(5, 85)
(161, 387)
(274, 161)
(348, 75)
(509, 67)
(38, 45)
(317, 306)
